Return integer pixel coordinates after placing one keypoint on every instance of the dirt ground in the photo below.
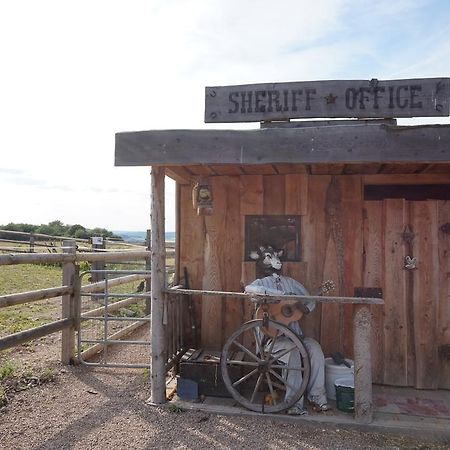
(93, 408)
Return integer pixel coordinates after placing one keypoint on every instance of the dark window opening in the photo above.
(414, 192)
(280, 232)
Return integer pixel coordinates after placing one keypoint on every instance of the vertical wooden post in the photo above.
(363, 366)
(212, 305)
(148, 281)
(68, 334)
(158, 376)
(32, 240)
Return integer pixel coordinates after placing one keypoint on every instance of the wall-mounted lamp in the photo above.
(202, 197)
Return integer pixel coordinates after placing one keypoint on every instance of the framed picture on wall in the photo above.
(280, 232)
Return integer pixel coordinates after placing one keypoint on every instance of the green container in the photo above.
(345, 394)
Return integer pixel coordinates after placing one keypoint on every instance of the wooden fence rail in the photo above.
(70, 292)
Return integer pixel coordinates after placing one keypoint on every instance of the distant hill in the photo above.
(139, 236)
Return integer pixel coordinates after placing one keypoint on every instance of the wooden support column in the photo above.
(68, 334)
(211, 306)
(363, 369)
(158, 371)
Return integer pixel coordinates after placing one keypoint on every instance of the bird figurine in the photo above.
(410, 262)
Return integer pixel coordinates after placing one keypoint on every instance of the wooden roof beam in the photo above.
(324, 144)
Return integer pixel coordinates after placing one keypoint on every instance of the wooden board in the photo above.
(352, 205)
(329, 144)
(327, 99)
(296, 198)
(426, 292)
(213, 277)
(251, 203)
(274, 194)
(373, 277)
(232, 250)
(192, 243)
(314, 241)
(443, 326)
(396, 319)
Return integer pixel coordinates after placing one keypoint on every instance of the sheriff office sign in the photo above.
(328, 99)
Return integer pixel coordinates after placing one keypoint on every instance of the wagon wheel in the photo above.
(262, 370)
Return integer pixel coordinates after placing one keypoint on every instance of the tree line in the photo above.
(58, 228)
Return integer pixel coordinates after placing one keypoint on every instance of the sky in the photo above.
(72, 74)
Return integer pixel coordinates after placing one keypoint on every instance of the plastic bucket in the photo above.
(345, 394)
(333, 372)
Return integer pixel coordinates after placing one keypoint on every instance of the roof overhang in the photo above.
(330, 144)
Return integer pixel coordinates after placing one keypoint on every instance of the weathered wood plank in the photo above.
(327, 99)
(33, 296)
(159, 350)
(327, 169)
(283, 169)
(352, 227)
(363, 369)
(34, 333)
(231, 256)
(402, 168)
(330, 144)
(226, 169)
(407, 179)
(296, 198)
(396, 318)
(261, 169)
(359, 169)
(373, 277)
(274, 194)
(179, 174)
(426, 292)
(192, 240)
(67, 310)
(316, 298)
(321, 123)
(443, 329)
(252, 203)
(212, 307)
(314, 241)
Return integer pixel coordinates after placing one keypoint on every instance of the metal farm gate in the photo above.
(102, 327)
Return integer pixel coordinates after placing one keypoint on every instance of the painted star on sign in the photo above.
(330, 98)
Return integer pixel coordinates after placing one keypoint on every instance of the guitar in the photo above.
(289, 310)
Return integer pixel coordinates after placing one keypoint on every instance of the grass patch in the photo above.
(28, 277)
(24, 278)
(7, 370)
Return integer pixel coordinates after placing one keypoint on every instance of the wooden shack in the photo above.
(372, 200)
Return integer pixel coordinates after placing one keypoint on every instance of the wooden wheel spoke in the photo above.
(246, 350)
(272, 344)
(258, 342)
(282, 380)
(279, 386)
(281, 366)
(269, 382)
(235, 362)
(258, 382)
(245, 377)
(283, 353)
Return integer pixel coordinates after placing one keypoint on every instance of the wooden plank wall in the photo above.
(411, 337)
(331, 243)
(344, 238)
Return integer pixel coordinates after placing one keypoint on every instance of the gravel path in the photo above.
(88, 408)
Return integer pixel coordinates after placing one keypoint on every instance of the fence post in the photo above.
(158, 260)
(98, 243)
(363, 369)
(148, 281)
(32, 238)
(68, 334)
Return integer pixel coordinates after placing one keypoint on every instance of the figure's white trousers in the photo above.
(315, 389)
